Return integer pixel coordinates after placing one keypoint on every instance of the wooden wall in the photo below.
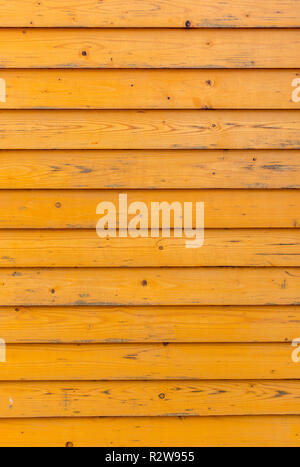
(142, 342)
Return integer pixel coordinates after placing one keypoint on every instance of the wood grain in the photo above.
(264, 431)
(149, 89)
(149, 48)
(83, 248)
(153, 398)
(152, 129)
(150, 13)
(150, 286)
(111, 324)
(76, 209)
(143, 342)
(148, 362)
(190, 169)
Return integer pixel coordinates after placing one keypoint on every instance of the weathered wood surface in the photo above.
(264, 431)
(143, 342)
(165, 169)
(150, 129)
(154, 399)
(76, 209)
(83, 248)
(149, 48)
(150, 286)
(148, 362)
(150, 89)
(150, 13)
(110, 324)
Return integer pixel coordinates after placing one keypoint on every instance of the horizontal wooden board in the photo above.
(164, 169)
(150, 129)
(150, 89)
(149, 324)
(153, 398)
(150, 286)
(264, 431)
(37, 362)
(150, 13)
(76, 209)
(83, 248)
(149, 48)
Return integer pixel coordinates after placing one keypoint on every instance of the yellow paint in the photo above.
(182, 169)
(77, 399)
(149, 286)
(76, 209)
(149, 48)
(150, 89)
(150, 129)
(82, 248)
(119, 324)
(150, 13)
(244, 431)
(106, 342)
(147, 362)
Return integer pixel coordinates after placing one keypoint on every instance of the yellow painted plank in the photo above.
(83, 248)
(151, 89)
(150, 13)
(35, 362)
(164, 169)
(150, 286)
(149, 48)
(111, 324)
(150, 129)
(264, 431)
(153, 398)
(76, 209)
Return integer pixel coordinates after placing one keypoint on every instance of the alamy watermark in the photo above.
(2, 90)
(161, 219)
(296, 351)
(296, 92)
(2, 351)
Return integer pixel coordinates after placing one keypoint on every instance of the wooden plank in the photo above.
(150, 129)
(149, 48)
(27, 362)
(75, 209)
(255, 431)
(140, 399)
(150, 89)
(150, 286)
(149, 13)
(149, 324)
(190, 169)
(83, 248)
